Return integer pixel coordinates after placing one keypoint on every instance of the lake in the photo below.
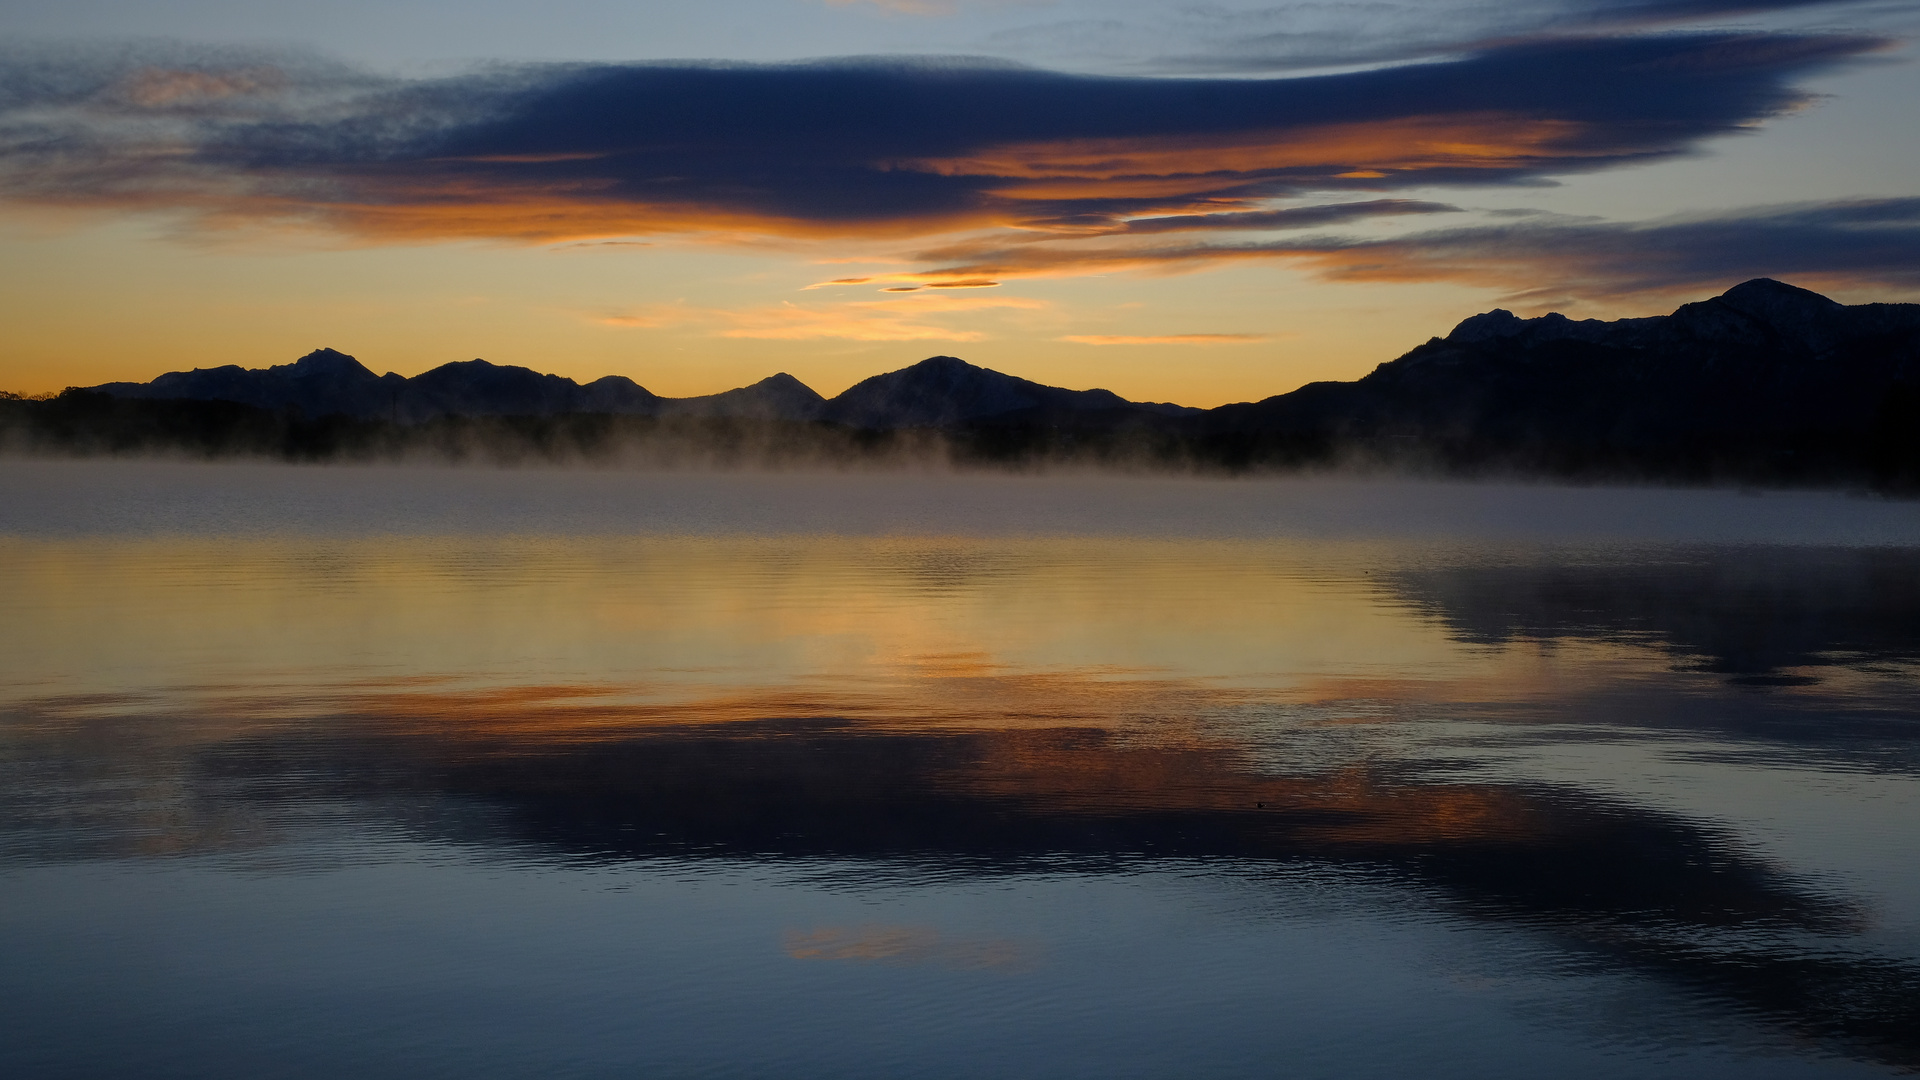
(317, 772)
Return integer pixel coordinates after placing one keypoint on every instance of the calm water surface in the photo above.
(382, 772)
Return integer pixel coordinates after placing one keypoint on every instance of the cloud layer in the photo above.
(1018, 171)
(1278, 37)
(860, 148)
(1553, 258)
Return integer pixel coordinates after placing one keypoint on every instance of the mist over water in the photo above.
(388, 771)
(78, 497)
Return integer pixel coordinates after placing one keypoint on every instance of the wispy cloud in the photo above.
(603, 244)
(1165, 339)
(1299, 217)
(791, 322)
(163, 88)
(945, 283)
(1852, 242)
(1291, 35)
(1844, 242)
(915, 316)
(633, 322)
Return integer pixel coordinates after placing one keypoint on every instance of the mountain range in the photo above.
(1766, 382)
(1774, 376)
(937, 392)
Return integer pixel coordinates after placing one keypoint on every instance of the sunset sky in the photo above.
(1198, 203)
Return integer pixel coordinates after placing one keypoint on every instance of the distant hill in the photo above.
(942, 391)
(326, 383)
(322, 382)
(935, 392)
(1766, 380)
(776, 397)
(1766, 383)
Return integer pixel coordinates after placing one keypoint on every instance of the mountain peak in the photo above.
(1767, 299)
(776, 397)
(327, 363)
(1762, 311)
(325, 357)
(785, 382)
(1770, 288)
(476, 365)
(943, 390)
(1497, 323)
(937, 390)
(1800, 313)
(946, 368)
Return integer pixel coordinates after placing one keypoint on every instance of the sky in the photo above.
(1189, 202)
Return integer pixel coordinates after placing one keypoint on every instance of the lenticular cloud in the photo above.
(854, 149)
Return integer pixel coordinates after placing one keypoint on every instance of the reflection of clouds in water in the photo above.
(882, 943)
(1301, 738)
(1611, 882)
(1093, 706)
(1743, 612)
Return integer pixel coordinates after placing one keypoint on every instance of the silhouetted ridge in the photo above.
(477, 388)
(327, 383)
(617, 394)
(936, 392)
(323, 381)
(776, 397)
(944, 390)
(1765, 383)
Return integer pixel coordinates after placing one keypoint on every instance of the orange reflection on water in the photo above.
(1079, 677)
(1126, 752)
(1094, 772)
(892, 944)
(938, 625)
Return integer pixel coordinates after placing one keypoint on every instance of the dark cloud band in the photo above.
(1863, 241)
(1296, 36)
(867, 148)
(1853, 242)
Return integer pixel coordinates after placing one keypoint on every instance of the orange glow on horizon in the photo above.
(1166, 339)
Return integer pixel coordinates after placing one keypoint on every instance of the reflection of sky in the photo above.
(393, 781)
(1136, 980)
(763, 613)
(227, 202)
